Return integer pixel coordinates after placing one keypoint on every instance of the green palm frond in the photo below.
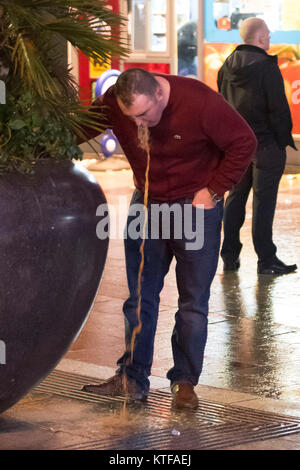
(29, 67)
(41, 91)
(89, 26)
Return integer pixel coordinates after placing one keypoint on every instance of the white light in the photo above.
(111, 145)
(108, 83)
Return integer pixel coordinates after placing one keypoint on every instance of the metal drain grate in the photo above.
(201, 438)
(211, 426)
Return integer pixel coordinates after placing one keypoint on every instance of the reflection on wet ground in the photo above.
(64, 418)
(252, 353)
(254, 323)
(260, 337)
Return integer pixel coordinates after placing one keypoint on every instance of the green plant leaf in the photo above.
(17, 124)
(43, 112)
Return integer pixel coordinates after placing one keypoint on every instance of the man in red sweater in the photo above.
(200, 147)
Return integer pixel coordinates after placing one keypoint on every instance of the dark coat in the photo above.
(250, 80)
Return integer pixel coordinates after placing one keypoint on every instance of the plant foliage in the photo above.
(43, 114)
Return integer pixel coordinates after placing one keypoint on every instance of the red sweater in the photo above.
(200, 141)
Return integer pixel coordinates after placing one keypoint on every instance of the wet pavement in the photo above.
(252, 358)
(254, 322)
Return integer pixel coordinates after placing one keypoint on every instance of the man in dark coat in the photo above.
(250, 80)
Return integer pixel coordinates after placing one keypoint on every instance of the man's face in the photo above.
(145, 110)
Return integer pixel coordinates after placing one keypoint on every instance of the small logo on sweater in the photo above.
(177, 137)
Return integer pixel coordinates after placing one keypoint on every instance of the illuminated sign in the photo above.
(223, 18)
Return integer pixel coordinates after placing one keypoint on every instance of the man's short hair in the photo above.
(135, 82)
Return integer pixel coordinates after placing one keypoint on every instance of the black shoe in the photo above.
(276, 266)
(231, 265)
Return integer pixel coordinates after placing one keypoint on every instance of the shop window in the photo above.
(223, 18)
(187, 21)
(147, 26)
(166, 31)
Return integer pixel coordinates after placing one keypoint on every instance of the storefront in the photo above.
(194, 37)
(222, 19)
(162, 35)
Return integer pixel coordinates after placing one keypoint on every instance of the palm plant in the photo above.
(43, 113)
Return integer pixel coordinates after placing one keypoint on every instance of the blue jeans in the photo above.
(195, 270)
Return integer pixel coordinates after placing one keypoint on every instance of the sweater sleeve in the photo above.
(227, 130)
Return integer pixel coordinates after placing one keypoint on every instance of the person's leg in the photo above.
(137, 362)
(268, 170)
(195, 271)
(234, 217)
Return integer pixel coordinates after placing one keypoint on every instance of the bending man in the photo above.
(199, 148)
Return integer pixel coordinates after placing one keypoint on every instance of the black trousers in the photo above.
(263, 176)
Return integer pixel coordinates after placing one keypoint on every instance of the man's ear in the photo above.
(159, 93)
(260, 38)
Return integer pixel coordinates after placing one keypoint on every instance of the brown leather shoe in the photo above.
(118, 385)
(184, 395)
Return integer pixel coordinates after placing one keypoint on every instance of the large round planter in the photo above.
(51, 263)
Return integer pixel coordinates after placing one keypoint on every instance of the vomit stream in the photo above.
(143, 136)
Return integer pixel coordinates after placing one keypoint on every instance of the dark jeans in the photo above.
(195, 270)
(263, 176)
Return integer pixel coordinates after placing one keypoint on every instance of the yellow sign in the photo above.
(97, 69)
